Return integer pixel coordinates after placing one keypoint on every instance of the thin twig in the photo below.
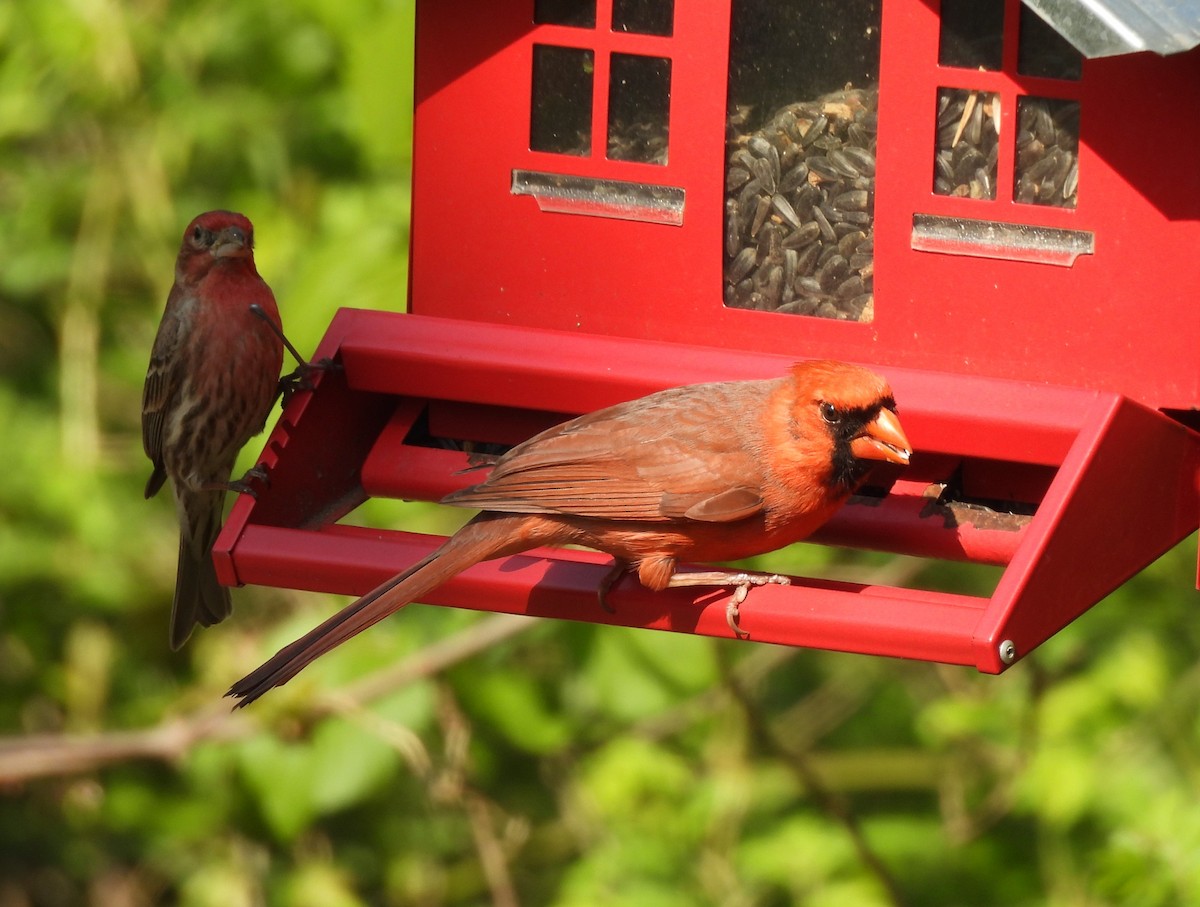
(49, 755)
(436, 657)
(453, 788)
(833, 805)
(24, 758)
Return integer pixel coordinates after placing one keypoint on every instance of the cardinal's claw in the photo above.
(742, 583)
(618, 569)
(733, 610)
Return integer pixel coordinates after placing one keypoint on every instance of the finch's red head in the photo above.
(215, 236)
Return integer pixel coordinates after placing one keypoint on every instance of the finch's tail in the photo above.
(199, 598)
(485, 537)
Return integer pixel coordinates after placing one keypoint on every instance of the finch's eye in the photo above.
(830, 414)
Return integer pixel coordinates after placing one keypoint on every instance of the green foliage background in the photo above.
(559, 764)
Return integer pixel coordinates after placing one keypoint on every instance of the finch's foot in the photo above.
(741, 583)
(301, 378)
(245, 485)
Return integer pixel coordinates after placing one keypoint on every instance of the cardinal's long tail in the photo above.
(485, 537)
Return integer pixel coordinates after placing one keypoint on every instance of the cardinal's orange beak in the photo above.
(882, 439)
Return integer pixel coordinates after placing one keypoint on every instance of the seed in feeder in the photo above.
(809, 286)
(743, 264)
(852, 286)
(762, 208)
(854, 200)
(823, 224)
(842, 163)
(832, 272)
(732, 228)
(820, 167)
(758, 145)
(862, 159)
(849, 243)
(784, 207)
(803, 236)
(806, 259)
(815, 130)
(794, 178)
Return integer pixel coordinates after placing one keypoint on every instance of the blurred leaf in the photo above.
(797, 855)
(348, 763)
(296, 782)
(516, 706)
(634, 674)
(320, 885)
(281, 776)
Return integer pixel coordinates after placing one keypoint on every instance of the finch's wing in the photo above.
(678, 454)
(159, 391)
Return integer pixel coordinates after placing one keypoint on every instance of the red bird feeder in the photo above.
(617, 196)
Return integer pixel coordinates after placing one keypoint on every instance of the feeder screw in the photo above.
(1008, 651)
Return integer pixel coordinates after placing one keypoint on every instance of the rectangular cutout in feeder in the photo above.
(992, 239)
(601, 198)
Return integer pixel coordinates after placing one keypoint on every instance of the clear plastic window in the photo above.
(577, 13)
(1044, 52)
(639, 103)
(561, 109)
(1045, 146)
(800, 168)
(972, 34)
(1046, 171)
(968, 143)
(646, 17)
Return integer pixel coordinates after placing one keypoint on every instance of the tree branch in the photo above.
(24, 758)
(826, 800)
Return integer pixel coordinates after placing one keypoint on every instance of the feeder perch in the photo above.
(619, 196)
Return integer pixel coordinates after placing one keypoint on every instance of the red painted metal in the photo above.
(1032, 391)
(1068, 554)
(1121, 319)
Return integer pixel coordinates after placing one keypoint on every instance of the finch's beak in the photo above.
(882, 439)
(231, 243)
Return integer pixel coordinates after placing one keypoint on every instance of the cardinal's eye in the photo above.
(830, 414)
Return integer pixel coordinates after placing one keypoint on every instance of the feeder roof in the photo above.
(1103, 28)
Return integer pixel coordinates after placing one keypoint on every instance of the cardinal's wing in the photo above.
(684, 453)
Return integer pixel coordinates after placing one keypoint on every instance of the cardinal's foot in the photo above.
(610, 579)
(742, 583)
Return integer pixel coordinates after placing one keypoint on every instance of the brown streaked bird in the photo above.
(706, 472)
(213, 378)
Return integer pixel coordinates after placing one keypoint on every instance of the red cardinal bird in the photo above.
(708, 472)
(213, 378)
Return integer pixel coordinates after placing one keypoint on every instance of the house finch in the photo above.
(213, 378)
(707, 472)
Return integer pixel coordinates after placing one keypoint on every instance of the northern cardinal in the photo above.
(707, 472)
(213, 378)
